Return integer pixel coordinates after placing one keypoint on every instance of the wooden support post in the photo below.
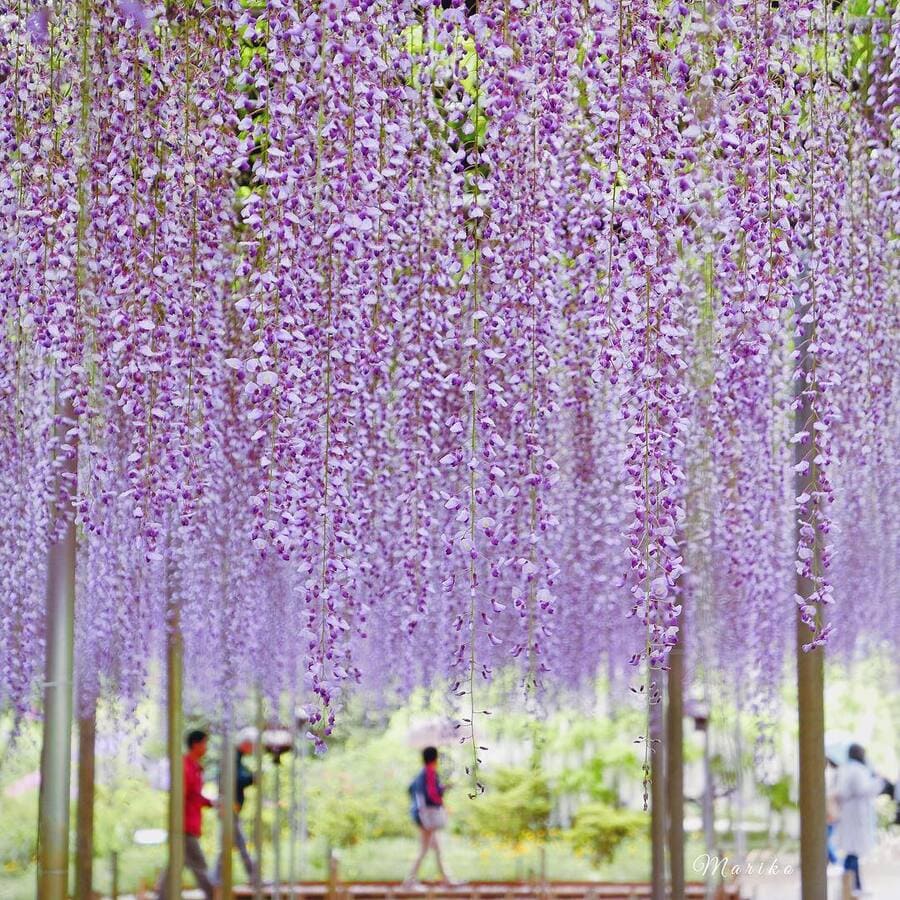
(258, 808)
(675, 762)
(657, 800)
(810, 665)
(228, 768)
(174, 728)
(811, 748)
(709, 793)
(293, 814)
(114, 872)
(84, 826)
(332, 887)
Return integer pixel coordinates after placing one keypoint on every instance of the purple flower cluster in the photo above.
(408, 339)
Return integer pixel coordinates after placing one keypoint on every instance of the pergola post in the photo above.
(84, 828)
(226, 808)
(675, 762)
(56, 763)
(811, 748)
(810, 665)
(258, 808)
(657, 799)
(175, 726)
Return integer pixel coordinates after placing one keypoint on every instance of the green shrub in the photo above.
(124, 806)
(778, 793)
(18, 835)
(359, 794)
(587, 778)
(515, 807)
(599, 829)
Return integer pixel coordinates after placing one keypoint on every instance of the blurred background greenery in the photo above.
(563, 789)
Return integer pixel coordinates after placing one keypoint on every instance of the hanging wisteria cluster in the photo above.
(401, 339)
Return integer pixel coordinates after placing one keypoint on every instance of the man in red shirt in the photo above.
(194, 802)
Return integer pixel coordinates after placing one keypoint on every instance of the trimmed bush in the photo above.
(599, 829)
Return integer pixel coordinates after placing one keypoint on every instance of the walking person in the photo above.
(427, 811)
(243, 778)
(857, 788)
(194, 804)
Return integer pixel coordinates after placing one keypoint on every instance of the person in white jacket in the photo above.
(857, 788)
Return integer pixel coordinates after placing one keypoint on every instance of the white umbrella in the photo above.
(837, 743)
(248, 735)
(430, 733)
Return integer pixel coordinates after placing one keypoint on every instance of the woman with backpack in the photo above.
(427, 811)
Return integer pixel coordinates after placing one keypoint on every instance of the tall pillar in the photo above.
(810, 665)
(257, 810)
(174, 729)
(811, 749)
(56, 764)
(293, 815)
(657, 800)
(675, 762)
(276, 829)
(84, 828)
(739, 826)
(226, 808)
(709, 793)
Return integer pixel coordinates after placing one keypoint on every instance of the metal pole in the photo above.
(709, 827)
(114, 865)
(276, 835)
(175, 726)
(702, 723)
(292, 858)
(226, 810)
(657, 801)
(56, 764)
(84, 829)
(810, 666)
(675, 761)
(257, 811)
(740, 833)
(304, 829)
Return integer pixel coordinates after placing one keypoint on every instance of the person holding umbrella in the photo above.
(857, 788)
(243, 778)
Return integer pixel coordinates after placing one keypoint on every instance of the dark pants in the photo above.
(240, 842)
(196, 862)
(832, 856)
(851, 864)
